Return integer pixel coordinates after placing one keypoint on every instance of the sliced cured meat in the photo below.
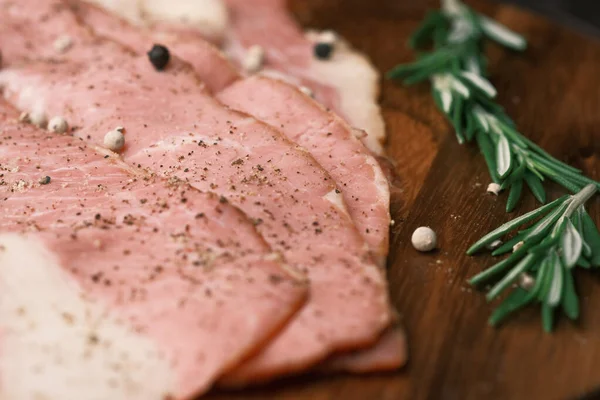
(116, 284)
(390, 353)
(346, 82)
(176, 129)
(210, 64)
(356, 172)
(323, 134)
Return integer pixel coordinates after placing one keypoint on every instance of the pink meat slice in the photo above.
(211, 65)
(390, 353)
(331, 141)
(347, 83)
(326, 136)
(365, 190)
(176, 129)
(181, 267)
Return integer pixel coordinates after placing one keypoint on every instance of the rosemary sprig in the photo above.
(456, 68)
(543, 258)
(562, 235)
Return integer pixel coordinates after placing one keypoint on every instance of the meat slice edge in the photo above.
(155, 272)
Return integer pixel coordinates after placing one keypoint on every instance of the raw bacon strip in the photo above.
(175, 129)
(178, 286)
(327, 138)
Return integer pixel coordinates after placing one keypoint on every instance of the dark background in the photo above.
(583, 15)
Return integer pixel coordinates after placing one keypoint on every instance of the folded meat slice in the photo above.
(176, 129)
(117, 284)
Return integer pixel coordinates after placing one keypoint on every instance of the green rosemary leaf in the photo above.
(480, 83)
(543, 153)
(545, 225)
(492, 272)
(515, 194)
(502, 35)
(570, 301)
(511, 132)
(437, 98)
(440, 34)
(507, 227)
(516, 300)
(515, 175)
(578, 223)
(523, 266)
(471, 127)
(509, 245)
(536, 187)
(460, 88)
(556, 285)
(421, 75)
(547, 317)
(424, 32)
(487, 104)
(503, 157)
(592, 236)
(487, 149)
(559, 169)
(544, 277)
(560, 179)
(457, 119)
(583, 263)
(571, 245)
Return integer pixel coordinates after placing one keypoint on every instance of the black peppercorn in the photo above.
(323, 51)
(159, 56)
(44, 180)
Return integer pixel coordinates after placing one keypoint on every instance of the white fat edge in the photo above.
(24, 97)
(356, 82)
(280, 76)
(381, 181)
(337, 200)
(128, 10)
(46, 325)
(210, 17)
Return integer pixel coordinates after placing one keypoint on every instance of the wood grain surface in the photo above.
(553, 93)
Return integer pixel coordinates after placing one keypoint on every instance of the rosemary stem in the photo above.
(580, 199)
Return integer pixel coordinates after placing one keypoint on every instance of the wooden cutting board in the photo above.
(553, 93)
